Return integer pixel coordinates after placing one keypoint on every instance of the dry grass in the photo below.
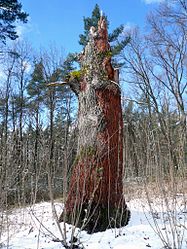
(138, 188)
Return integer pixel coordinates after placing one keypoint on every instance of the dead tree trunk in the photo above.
(95, 199)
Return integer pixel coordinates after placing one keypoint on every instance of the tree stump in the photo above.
(95, 199)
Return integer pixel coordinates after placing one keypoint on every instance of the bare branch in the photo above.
(57, 83)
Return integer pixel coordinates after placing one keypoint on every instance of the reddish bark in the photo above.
(103, 45)
(108, 157)
(112, 151)
(97, 179)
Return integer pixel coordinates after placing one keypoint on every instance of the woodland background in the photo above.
(38, 123)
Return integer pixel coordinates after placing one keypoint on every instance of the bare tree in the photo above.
(168, 44)
(156, 64)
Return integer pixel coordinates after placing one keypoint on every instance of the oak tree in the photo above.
(95, 199)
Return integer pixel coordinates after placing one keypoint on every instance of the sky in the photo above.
(60, 22)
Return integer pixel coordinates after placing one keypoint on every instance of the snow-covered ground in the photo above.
(34, 228)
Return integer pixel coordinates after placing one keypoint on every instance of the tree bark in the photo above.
(95, 199)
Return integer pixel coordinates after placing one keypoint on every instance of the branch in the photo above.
(136, 101)
(75, 86)
(57, 83)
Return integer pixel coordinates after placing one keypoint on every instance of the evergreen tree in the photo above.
(88, 22)
(35, 90)
(117, 43)
(68, 66)
(10, 12)
(37, 85)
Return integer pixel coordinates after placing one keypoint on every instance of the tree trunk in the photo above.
(95, 200)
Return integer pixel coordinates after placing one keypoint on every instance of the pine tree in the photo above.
(37, 82)
(10, 12)
(35, 90)
(117, 44)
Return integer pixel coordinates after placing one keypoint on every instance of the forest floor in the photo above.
(153, 225)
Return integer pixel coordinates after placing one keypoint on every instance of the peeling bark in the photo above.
(95, 199)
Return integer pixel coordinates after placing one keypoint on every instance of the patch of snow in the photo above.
(34, 227)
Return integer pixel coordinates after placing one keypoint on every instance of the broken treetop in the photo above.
(96, 68)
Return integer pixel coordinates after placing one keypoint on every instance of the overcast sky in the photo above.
(61, 21)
